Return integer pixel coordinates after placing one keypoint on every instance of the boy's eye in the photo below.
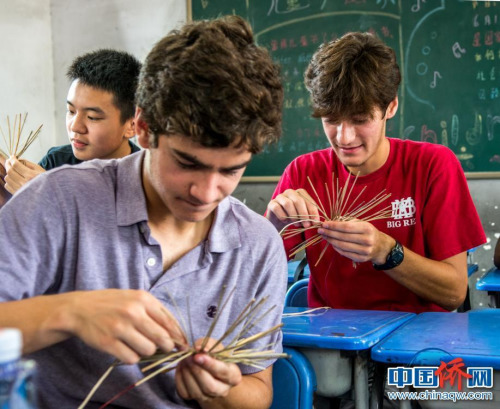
(359, 121)
(185, 165)
(330, 121)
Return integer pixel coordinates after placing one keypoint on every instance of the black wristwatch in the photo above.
(394, 258)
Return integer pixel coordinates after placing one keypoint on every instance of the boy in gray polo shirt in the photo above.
(92, 255)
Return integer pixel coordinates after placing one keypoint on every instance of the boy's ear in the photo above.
(130, 128)
(141, 129)
(392, 108)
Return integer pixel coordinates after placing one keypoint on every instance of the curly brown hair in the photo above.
(352, 76)
(210, 82)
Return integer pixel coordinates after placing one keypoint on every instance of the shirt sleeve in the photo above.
(272, 282)
(32, 241)
(450, 219)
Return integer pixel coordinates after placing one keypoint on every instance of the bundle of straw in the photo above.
(340, 209)
(234, 352)
(15, 144)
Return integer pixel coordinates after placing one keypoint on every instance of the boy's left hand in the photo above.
(358, 240)
(202, 377)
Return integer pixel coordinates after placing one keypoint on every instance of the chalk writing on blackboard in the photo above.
(449, 52)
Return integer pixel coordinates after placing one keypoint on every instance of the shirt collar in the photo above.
(130, 198)
(225, 232)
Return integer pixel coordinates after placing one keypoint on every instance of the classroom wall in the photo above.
(40, 38)
(129, 25)
(26, 71)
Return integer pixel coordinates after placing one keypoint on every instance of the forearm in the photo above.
(39, 319)
(442, 282)
(251, 393)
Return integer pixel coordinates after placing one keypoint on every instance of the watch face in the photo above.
(394, 259)
(397, 255)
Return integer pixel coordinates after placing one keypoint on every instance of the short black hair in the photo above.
(113, 71)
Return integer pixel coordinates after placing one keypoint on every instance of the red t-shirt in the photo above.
(432, 214)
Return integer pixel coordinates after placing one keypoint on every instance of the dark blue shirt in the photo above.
(63, 155)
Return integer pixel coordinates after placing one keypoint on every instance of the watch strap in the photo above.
(394, 258)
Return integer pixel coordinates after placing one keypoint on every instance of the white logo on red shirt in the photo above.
(403, 209)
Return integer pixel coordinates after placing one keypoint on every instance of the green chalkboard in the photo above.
(448, 51)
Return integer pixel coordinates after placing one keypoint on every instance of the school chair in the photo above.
(294, 382)
(296, 295)
(297, 270)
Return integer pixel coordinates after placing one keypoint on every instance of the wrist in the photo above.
(387, 244)
(393, 259)
(62, 320)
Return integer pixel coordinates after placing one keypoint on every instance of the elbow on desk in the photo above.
(454, 302)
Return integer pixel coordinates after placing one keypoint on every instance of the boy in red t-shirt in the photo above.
(415, 260)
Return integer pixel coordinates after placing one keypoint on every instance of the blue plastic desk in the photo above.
(324, 336)
(490, 282)
(434, 336)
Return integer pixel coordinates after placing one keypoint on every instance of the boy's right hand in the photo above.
(292, 203)
(128, 324)
(20, 172)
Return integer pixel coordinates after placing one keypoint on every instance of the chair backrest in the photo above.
(294, 382)
(472, 268)
(296, 296)
(297, 270)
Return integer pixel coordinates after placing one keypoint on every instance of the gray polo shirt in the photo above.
(85, 227)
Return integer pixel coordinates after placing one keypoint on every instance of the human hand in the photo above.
(20, 172)
(292, 203)
(128, 324)
(4, 194)
(358, 240)
(202, 377)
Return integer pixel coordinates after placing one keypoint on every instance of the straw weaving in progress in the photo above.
(340, 207)
(231, 347)
(15, 144)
